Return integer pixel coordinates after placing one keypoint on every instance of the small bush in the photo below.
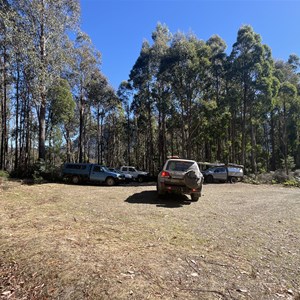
(292, 183)
(4, 174)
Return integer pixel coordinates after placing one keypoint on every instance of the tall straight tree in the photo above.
(249, 58)
(86, 63)
(160, 88)
(141, 77)
(5, 52)
(46, 23)
(184, 66)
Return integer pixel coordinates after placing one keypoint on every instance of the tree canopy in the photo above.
(184, 96)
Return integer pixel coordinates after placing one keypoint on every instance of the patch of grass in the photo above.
(291, 183)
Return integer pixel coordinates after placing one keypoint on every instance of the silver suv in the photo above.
(180, 176)
(223, 173)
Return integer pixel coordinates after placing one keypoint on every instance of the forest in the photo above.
(184, 96)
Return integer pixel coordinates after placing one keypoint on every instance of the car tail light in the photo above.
(165, 174)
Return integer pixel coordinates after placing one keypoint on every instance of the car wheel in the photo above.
(66, 179)
(110, 181)
(75, 179)
(209, 179)
(160, 193)
(140, 179)
(233, 180)
(195, 197)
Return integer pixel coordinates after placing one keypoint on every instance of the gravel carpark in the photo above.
(59, 241)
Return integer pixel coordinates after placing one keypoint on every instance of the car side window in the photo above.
(125, 169)
(97, 169)
(131, 170)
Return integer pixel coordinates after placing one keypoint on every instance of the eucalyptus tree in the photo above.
(46, 23)
(62, 112)
(114, 132)
(103, 100)
(151, 96)
(217, 110)
(6, 23)
(125, 94)
(161, 37)
(86, 63)
(142, 105)
(185, 66)
(286, 96)
(286, 107)
(252, 64)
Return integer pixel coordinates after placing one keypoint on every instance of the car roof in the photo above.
(179, 159)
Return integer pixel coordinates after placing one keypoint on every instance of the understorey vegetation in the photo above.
(184, 96)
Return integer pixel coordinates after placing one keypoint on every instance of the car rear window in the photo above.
(179, 165)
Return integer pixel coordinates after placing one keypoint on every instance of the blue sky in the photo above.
(118, 27)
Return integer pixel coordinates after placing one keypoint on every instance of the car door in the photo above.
(220, 174)
(132, 172)
(97, 174)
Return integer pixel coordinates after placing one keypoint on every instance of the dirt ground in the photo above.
(60, 241)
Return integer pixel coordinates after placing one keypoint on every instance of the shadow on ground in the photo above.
(150, 197)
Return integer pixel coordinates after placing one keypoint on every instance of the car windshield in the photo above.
(105, 169)
(179, 165)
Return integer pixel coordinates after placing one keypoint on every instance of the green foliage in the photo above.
(61, 100)
(292, 183)
(290, 162)
(39, 169)
(4, 174)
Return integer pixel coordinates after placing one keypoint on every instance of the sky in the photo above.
(119, 27)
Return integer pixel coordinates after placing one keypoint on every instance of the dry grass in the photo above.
(95, 242)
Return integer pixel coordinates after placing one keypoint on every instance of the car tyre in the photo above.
(233, 180)
(195, 197)
(75, 179)
(110, 181)
(160, 193)
(209, 179)
(140, 179)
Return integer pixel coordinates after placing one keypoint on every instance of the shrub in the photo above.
(292, 183)
(4, 174)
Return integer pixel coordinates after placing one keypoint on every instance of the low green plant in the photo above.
(292, 183)
(4, 174)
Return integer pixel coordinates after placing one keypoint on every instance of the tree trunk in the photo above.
(17, 118)
(272, 133)
(81, 125)
(42, 112)
(244, 125)
(4, 137)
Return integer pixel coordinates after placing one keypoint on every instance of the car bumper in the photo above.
(178, 189)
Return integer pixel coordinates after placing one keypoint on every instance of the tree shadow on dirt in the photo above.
(167, 201)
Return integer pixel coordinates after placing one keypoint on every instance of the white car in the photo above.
(181, 176)
(139, 176)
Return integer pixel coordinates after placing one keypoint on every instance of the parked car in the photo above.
(128, 177)
(82, 172)
(180, 176)
(139, 176)
(223, 174)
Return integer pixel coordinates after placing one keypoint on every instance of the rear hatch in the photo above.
(177, 169)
